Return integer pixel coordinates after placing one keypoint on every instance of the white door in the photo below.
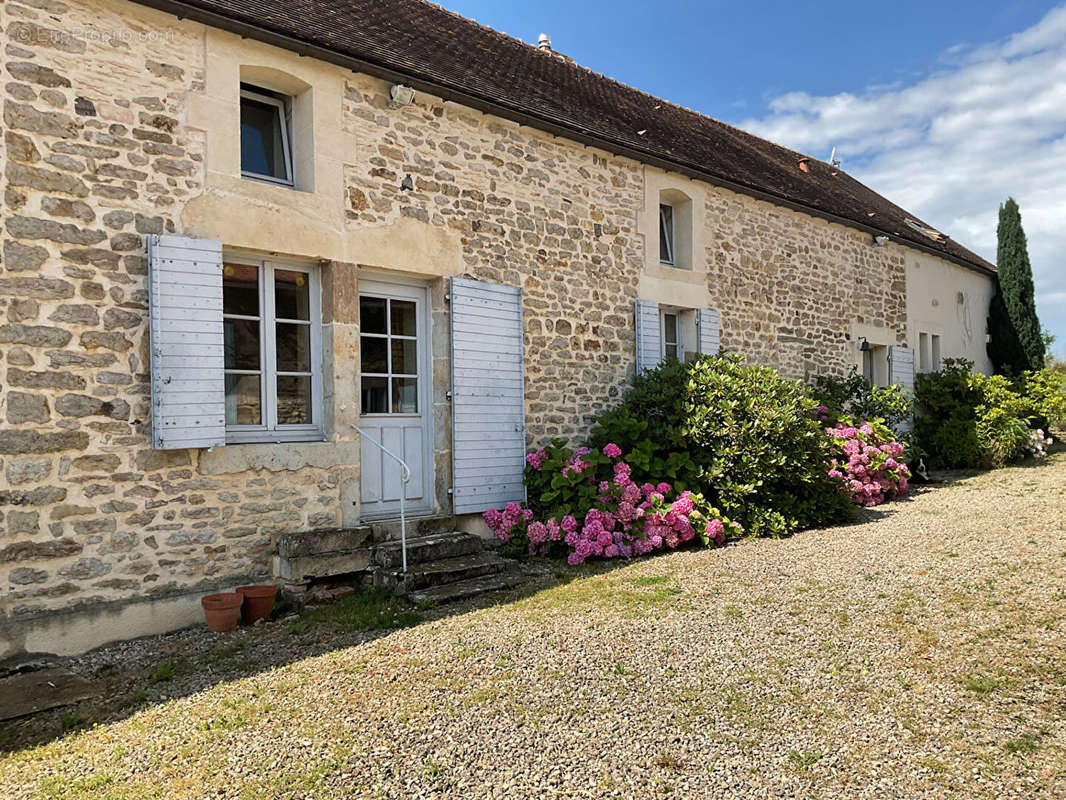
(394, 391)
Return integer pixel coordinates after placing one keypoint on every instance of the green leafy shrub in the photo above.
(1045, 394)
(854, 397)
(740, 434)
(560, 480)
(945, 429)
(968, 419)
(647, 426)
(1002, 421)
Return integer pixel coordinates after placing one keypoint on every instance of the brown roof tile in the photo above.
(443, 50)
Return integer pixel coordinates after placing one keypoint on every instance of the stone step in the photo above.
(452, 570)
(388, 530)
(422, 549)
(460, 590)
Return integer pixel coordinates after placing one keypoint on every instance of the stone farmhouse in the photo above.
(232, 231)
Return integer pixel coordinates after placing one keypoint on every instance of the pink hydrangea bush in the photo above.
(868, 462)
(622, 519)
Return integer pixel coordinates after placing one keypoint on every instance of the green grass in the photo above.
(1024, 744)
(983, 685)
(803, 760)
(370, 610)
(163, 671)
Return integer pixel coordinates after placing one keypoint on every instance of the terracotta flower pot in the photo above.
(223, 611)
(258, 602)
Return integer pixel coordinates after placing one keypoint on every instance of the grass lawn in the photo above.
(920, 652)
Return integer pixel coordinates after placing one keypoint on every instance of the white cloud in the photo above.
(989, 123)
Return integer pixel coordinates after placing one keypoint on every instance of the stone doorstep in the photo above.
(445, 570)
(344, 540)
(471, 587)
(423, 549)
(353, 550)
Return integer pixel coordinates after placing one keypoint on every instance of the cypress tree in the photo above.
(1017, 341)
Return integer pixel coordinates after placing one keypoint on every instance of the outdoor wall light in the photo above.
(864, 346)
(400, 95)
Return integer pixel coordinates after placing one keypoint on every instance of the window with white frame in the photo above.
(671, 334)
(271, 325)
(928, 352)
(388, 355)
(266, 152)
(666, 235)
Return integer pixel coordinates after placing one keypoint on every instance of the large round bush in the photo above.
(742, 435)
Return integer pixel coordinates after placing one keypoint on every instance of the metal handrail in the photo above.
(405, 476)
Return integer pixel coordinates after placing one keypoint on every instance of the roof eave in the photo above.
(524, 117)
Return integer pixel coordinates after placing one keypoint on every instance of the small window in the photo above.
(265, 149)
(924, 354)
(666, 234)
(388, 355)
(934, 352)
(271, 322)
(671, 336)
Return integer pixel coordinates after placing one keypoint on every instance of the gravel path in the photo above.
(920, 653)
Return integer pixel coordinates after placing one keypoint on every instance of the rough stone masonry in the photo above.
(98, 154)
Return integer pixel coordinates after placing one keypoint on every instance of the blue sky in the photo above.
(946, 107)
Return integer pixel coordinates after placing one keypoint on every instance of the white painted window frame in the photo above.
(671, 311)
(282, 105)
(422, 339)
(270, 430)
(670, 234)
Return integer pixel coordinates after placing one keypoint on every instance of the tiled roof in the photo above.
(442, 50)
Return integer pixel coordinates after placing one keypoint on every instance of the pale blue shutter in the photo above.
(649, 335)
(488, 396)
(901, 367)
(707, 330)
(185, 301)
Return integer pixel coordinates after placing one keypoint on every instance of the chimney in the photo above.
(544, 42)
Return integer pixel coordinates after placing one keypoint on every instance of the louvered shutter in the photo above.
(707, 330)
(901, 367)
(185, 301)
(649, 335)
(488, 396)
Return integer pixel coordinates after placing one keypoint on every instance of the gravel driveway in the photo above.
(920, 653)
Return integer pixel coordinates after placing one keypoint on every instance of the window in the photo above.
(671, 335)
(875, 364)
(271, 320)
(265, 123)
(388, 355)
(928, 352)
(666, 234)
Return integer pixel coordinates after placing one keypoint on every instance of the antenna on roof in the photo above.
(833, 160)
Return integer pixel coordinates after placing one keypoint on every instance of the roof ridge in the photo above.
(572, 62)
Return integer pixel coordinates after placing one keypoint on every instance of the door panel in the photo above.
(395, 381)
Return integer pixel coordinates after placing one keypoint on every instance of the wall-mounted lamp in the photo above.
(880, 239)
(864, 346)
(400, 95)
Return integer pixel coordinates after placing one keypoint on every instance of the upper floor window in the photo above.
(928, 352)
(266, 152)
(272, 352)
(666, 234)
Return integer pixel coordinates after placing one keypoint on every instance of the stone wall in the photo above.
(533, 211)
(96, 156)
(99, 151)
(793, 288)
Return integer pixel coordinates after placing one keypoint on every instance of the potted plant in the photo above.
(258, 602)
(222, 610)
